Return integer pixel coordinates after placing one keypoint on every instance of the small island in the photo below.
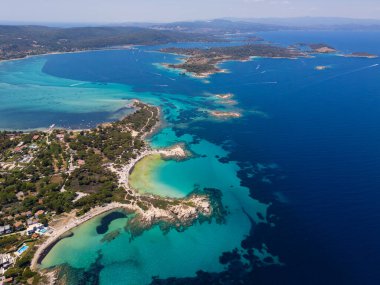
(225, 114)
(224, 96)
(226, 99)
(362, 54)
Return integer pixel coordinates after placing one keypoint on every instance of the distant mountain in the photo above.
(18, 41)
(88, 36)
(216, 26)
(236, 25)
(308, 21)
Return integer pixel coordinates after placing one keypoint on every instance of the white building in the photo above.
(6, 260)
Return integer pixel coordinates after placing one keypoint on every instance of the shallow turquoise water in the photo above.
(26, 91)
(45, 99)
(173, 254)
(307, 145)
(30, 98)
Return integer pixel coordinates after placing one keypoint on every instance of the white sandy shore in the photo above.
(148, 216)
(176, 151)
(57, 233)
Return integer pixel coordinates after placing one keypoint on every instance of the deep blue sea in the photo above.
(308, 144)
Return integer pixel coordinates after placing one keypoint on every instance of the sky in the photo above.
(118, 11)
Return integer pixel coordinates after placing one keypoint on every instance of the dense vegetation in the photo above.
(21, 41)
(21, 271)
(220, 27)
(42, 174)
(203, 61)
(45, 171)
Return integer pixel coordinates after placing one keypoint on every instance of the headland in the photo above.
(88, 173)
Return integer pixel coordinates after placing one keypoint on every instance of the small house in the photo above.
(18, 225)
(5, 230)
(39, 213)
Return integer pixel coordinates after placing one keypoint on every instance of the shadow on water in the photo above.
(108, 219)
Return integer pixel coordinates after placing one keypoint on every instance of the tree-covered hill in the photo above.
(21, 41)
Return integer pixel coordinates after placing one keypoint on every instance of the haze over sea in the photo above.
(303, 162)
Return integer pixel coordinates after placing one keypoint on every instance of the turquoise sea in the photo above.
(299, 172)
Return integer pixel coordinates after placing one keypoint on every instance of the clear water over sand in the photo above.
(73, 103)
(309, 137)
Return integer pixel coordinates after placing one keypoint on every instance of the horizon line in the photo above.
(19, 22)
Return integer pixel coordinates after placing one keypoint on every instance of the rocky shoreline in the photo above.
(149, 210)
(201, 63)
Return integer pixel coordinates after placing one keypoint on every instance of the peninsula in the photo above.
(52, 181)
(322, 48)
(23, 41)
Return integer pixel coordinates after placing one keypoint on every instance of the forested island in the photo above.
(203, 62)
(51, 181)
(200, 62)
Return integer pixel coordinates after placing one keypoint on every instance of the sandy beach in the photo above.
(58, 232)
(176, 152)
(149, 216)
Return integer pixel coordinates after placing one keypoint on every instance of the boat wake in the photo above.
(353, 71)
(77, 84)
(262, 83)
